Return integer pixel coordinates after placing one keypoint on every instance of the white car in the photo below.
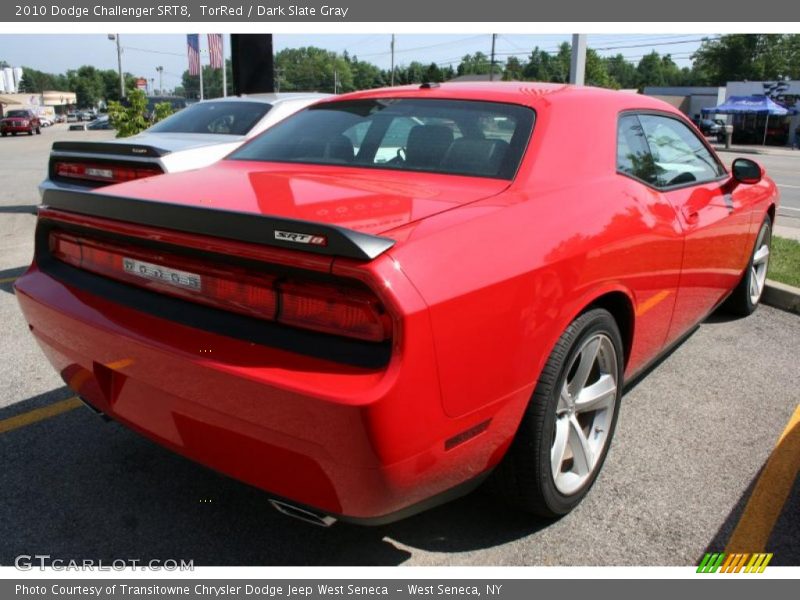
(195, 137)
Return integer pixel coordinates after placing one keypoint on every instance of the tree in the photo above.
(135, 117)
(739, 57)
(311, 69)
(513, 70)
(474, 64)
(622, 72)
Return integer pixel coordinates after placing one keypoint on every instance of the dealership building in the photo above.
(747, 128)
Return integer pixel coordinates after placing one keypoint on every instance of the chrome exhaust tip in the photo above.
(96, 411)
(302, 514)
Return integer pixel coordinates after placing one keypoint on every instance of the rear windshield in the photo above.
(224, 118)
(18, 113)
(485, 139)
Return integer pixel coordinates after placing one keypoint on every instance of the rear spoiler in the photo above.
(135, 150)
(265, 230)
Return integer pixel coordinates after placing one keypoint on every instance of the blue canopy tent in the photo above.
(751, 105)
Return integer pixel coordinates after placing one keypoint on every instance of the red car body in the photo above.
(20, 121)
(482, 277)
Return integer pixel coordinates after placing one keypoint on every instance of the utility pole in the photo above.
(160, 71)
(278, 72)
(392, 83)
(112, 37)
(224, 67)
(577, 70)
(491, 64)
(335, 81)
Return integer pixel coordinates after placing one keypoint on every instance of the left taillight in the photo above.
(107, 173)
(337, 308)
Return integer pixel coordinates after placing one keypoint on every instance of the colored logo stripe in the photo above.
(734, 562)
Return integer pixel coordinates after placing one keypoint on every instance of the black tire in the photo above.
(740, 302)
(524, 477)
(30, 132)
(5, 133)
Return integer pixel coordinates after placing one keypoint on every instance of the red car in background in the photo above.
(20, 121)
(396, 294)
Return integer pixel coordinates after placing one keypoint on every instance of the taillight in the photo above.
(333, 309)
(338, 309)
(104, 172)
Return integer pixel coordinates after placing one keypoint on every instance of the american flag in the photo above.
(215, 50)
(193, 45)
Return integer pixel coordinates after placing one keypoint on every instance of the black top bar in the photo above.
(110, 148)
(240, 226)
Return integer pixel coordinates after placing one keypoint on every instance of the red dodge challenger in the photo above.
(397, 294)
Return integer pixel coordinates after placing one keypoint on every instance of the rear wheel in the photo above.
(745, 298)
(565, 433)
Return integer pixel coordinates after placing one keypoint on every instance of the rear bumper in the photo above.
(365, 444)
(15, 129)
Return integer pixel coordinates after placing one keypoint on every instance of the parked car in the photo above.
(364, 334)
(194, 137)
(100, 122)
(710, 127)
(73, 117)
(21, 120)
(45, 121)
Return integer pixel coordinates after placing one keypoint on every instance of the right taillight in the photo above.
(334, 308)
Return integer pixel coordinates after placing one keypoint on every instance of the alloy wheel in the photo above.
(584, 414)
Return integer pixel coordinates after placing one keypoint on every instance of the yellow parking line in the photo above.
(39, 414)
(7, 279)
(770, 493)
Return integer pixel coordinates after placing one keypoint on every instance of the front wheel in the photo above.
(745, 297)
(564, 436)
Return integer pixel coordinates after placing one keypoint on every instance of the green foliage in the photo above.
(134, 116)
(784, 261)
(740, 57)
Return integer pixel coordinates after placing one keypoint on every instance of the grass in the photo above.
(784, 261)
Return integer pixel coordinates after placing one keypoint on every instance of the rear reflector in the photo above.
(105, 173)
(338, 309)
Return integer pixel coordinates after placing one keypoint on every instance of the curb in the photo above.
(779, 150)
(780, 295)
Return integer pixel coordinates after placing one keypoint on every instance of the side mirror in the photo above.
(747, 171)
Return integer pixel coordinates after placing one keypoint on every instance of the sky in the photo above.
(143, 53)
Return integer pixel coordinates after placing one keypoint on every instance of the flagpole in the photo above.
(224, 70)
(200, 62)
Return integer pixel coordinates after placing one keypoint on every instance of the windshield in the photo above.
(225, 118)
(18, 113)
(485, 139)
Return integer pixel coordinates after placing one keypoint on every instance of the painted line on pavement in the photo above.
(766, 503)
(39, 414)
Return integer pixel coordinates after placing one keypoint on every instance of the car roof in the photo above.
(532, 94)
(271, 98)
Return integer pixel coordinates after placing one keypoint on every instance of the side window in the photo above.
(633, 154)
(679, 155)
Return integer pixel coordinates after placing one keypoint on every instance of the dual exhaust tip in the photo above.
(302, 514)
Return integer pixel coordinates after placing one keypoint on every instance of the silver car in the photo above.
(194, 137)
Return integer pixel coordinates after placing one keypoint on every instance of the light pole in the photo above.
(160, 71)
(113, 37)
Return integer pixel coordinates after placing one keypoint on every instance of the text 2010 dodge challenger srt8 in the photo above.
(394, 294)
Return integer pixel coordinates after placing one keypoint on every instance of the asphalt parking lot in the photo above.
(696, 460)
